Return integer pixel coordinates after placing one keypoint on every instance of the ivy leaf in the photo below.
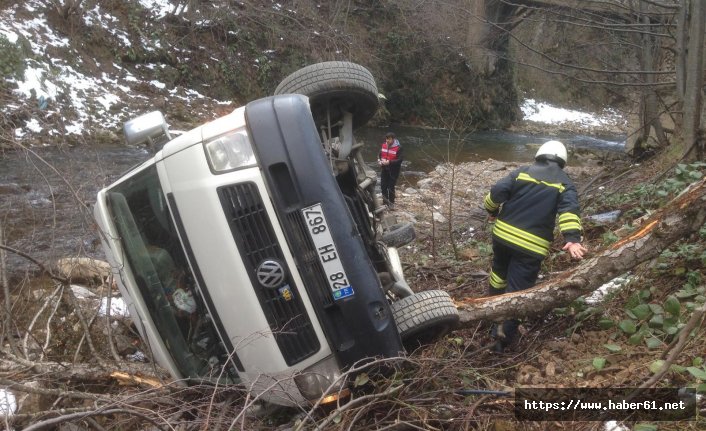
(672, 305)
(695, 175)
(598, 363)
(627, 326)
(645, 427)
(606, 323)
(697, 361)
(656, 321)
(670, 329)
(361, 379)
(671, 320)
(642, 311)
(685, 293)
(656, 309)
(653, 342)
(699, 373)
(655, 366)
(613, 348)
(583, 315)
(636, 339)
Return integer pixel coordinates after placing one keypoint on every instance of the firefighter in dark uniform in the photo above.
(390, 161)
(524, 206)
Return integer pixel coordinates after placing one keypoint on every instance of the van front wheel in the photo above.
(424, 317)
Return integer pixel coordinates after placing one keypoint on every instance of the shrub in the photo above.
(12, 64)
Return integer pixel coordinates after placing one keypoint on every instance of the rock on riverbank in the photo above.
(457, 191)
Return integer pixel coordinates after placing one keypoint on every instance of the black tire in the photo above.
(340, 85)
(399, 234)
(424, 317)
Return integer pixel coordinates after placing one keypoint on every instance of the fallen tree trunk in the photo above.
(684, 215)
(81, 372)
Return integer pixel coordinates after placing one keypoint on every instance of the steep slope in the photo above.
(74, 71)
(82, 76)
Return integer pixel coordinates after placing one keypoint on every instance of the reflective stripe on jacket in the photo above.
(527, 203)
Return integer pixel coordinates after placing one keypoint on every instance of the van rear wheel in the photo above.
(424, 317)
(335, 87)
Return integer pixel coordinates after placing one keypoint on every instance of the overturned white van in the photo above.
(250, 249)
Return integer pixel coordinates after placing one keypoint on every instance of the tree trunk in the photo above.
(694, 76)
(683, 216)
(682, 37)
(651, 113)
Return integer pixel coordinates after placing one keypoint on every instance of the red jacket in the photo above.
(392, 152)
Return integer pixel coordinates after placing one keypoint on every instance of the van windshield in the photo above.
(164, 279)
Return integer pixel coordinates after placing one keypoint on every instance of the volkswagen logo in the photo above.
(270, 274)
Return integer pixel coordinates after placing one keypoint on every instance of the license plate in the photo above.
(327, 252)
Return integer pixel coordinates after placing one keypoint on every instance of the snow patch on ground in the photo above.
(158, 7)
(542, 112)
(599, 294)
(59, 92)
(8, 402)
(118, 308)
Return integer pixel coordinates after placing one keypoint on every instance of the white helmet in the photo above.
(552, 150)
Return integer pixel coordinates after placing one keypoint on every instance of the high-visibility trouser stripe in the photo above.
(496, 281)
(525, 177)
(489, 204)
(521, 238)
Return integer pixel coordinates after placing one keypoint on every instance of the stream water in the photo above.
(424, 149)
(46, 194)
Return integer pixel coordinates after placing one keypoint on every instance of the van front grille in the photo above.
(254, 235)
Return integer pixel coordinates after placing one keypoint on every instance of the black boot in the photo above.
(507, 334)
(497, 332)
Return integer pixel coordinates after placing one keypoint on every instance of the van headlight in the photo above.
(322, 380)
(230, 151)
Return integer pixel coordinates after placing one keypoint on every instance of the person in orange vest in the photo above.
(390, 161)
